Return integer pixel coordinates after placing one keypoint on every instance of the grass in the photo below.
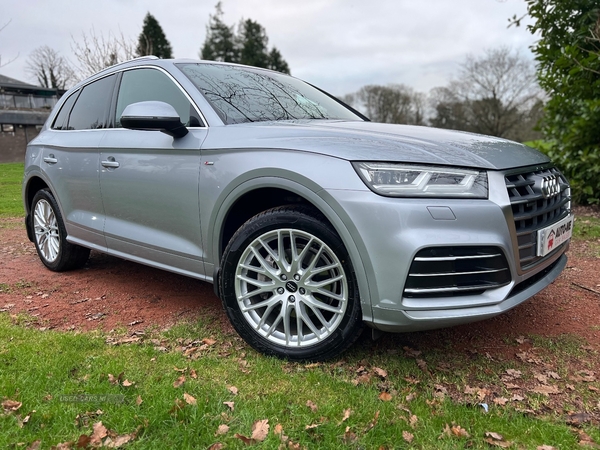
(397, 399)
(11, 176)
(62, 381)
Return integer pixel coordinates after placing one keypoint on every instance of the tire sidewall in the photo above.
(62, 233)
(275, 219)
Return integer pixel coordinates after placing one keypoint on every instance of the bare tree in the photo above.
(395, 103)
(492, 95)
(96, 51)
(49, 68)
(10, 60)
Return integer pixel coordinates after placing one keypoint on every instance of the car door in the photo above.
(70, 160)
(149, 180)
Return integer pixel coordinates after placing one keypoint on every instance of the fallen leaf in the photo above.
(410, 397)
(230, 405)
(501, 401)
(541, 378)
(216, 446)
(459, 431)
(422, 365)
(138, 400)
(349, 436)
(513, 373)
(223, 429)
(99, 433)
(179, 370)
(311, 405)
(11, 405)
(63, 446)
(413, 421)
(233, 390)
(578, 418)
(495, 436)
(35, 445)
(83, 441)
(408, 437)
(177, 383)
(512, 386)
(208, 341)
(310, 427)
(553, 375)
(470, 391)
(193, 374)
(347, 413)
(546, 390)
(260, 430)
(115, 380)
(494, 443)
(189, 399)
(517, 398)
(482, 394)
(127, 383)
(385, 396)
(545, 447)
(380, 372)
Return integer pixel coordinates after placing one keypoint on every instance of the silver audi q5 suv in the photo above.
(309, 219)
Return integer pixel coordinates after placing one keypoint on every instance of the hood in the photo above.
(369, 141)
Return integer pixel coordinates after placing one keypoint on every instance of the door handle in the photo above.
(110, 163)
(50, 159)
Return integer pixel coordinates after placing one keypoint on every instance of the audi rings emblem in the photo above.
(549, 185)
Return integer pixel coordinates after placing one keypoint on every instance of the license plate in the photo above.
(551, 237)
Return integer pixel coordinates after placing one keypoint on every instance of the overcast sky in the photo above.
(339, 45)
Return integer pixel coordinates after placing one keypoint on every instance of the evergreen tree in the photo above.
(253, 44)
(220, 43)
(276, 62)
(248, 46)
(152, 40)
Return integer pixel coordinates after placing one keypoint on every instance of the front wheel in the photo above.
(288, 286)
(51, 235)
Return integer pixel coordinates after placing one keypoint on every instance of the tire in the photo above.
(302, 305)
(50, 235)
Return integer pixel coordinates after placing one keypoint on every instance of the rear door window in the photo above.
(91, 108)
(60, 122)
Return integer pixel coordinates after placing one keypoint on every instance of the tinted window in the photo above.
(149, 84)
(91, 108)
(60, 122)
(240, 94)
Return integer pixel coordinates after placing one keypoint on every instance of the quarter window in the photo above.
(142, 85)
(60, 123)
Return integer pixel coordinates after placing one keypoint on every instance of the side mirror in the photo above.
(153, 115)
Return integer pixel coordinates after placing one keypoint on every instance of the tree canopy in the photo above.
(248, 46)
(495, 94)
(568, 57)
(49, 69)
(152, 39)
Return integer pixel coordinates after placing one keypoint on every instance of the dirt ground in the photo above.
(111, 293)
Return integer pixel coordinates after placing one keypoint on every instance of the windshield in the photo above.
(244, 94)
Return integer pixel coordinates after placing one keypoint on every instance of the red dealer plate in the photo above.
(551, 237)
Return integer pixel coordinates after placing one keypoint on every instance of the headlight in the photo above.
(404, 180)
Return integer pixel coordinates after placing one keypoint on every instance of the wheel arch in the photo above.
(32, 186)
(260, 194)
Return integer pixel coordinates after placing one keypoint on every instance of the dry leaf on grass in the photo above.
(216, 446)
(546, 390)
(500, 401)
(347, 413)
(233, 390)
(189, 399)
(380, 372)
(311, 405)
(231, 405)
(260, 430)
(99, 433)
(385, 396)
(11, 405)
(138, 400)
(223, 429)
(179, 381)
(408, 437)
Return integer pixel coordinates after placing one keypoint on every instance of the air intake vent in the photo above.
(451, 271)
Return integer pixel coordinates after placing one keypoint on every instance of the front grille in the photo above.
(538, 199)
(452, 271)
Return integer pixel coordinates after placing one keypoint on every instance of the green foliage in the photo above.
(568, 56)
(152, 40)
(330, 405)
(11, 177)
(249, 46)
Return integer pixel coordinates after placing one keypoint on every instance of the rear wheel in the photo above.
(288, 286)
(50, 235)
